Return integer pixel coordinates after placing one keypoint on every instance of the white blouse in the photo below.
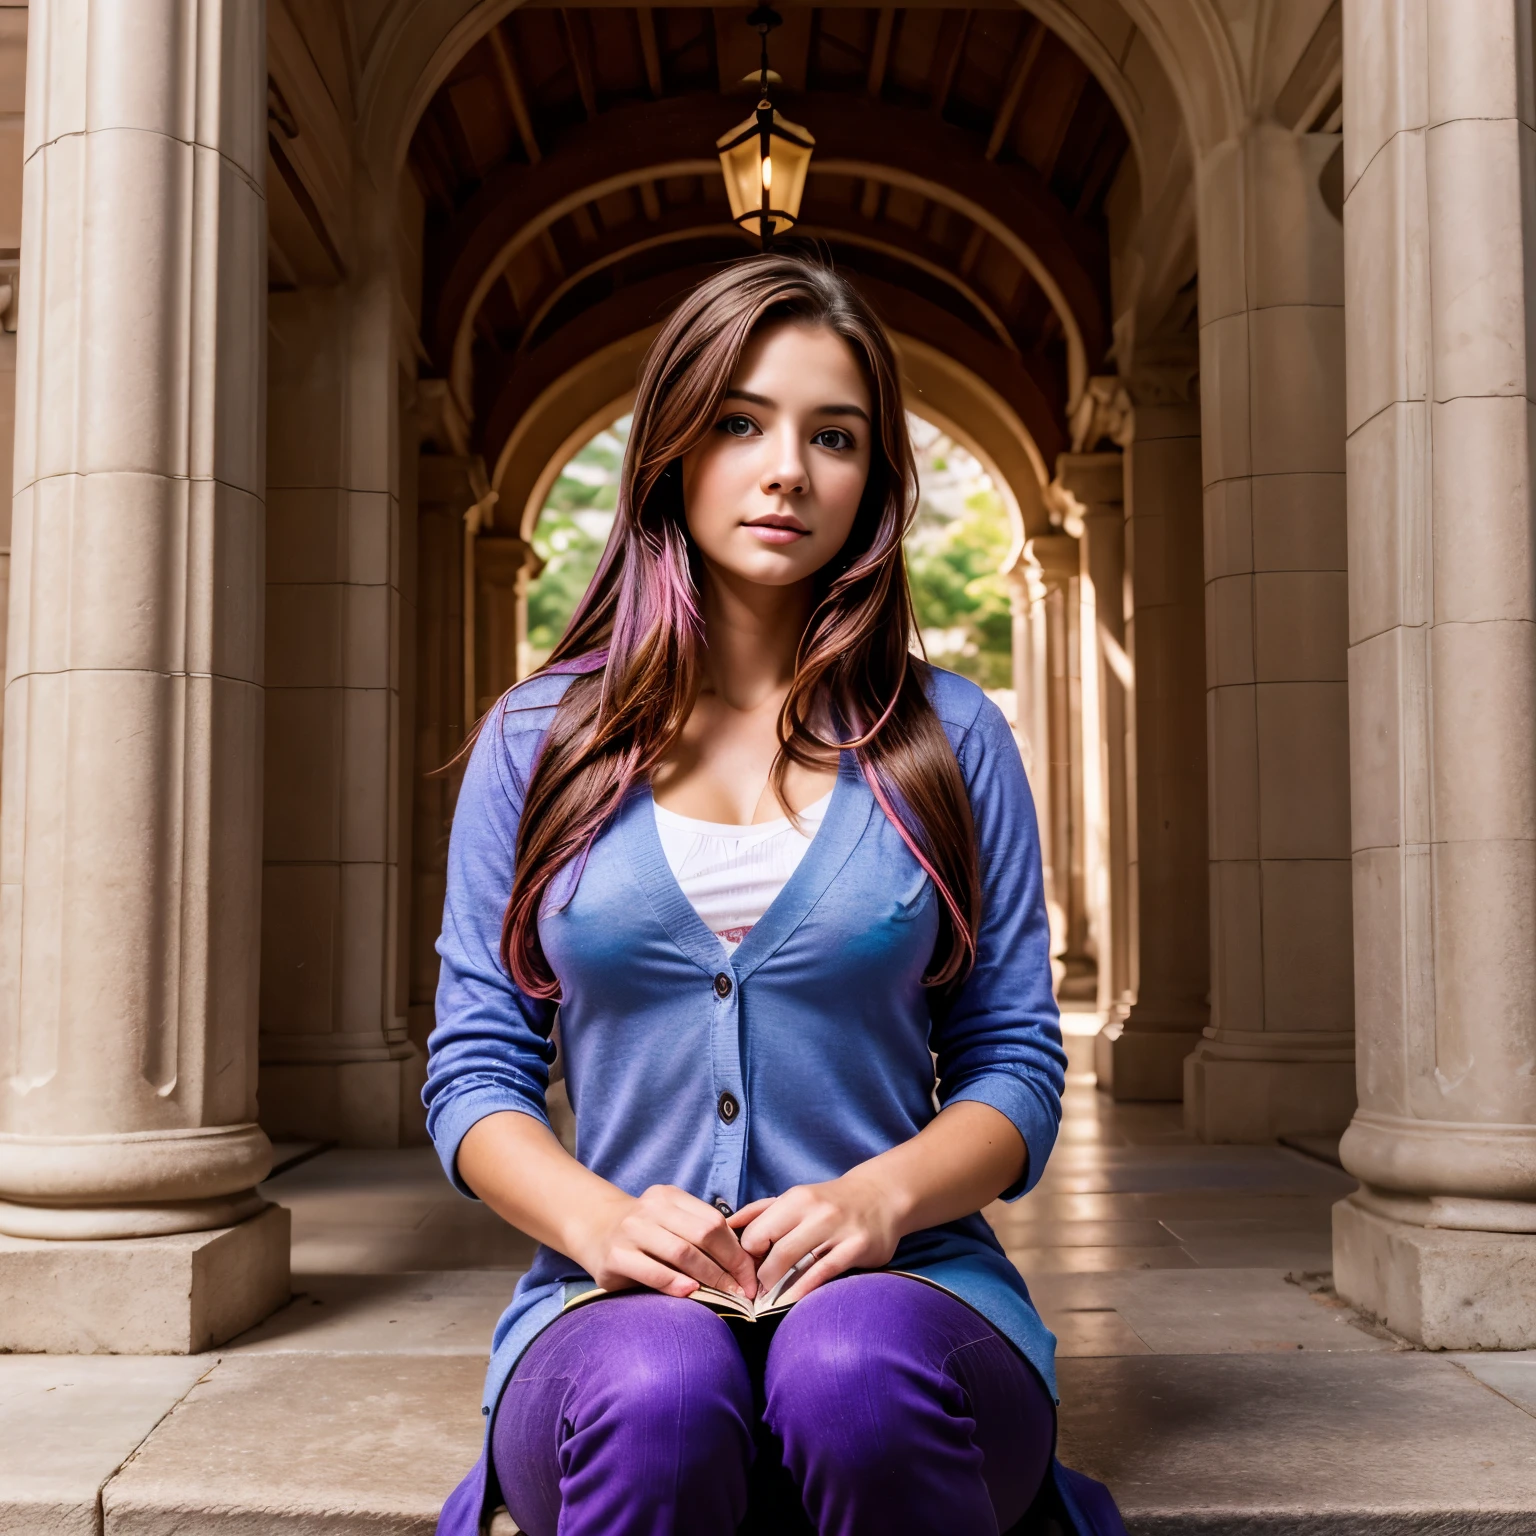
(731, 874)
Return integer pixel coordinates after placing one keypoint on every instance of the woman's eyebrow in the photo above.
(821, 410)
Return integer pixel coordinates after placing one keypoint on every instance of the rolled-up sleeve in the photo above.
(999, 1041)
(491, 1049)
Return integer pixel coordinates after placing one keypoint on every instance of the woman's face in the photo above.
(772, 491)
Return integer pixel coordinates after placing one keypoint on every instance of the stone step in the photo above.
(1238, 1402)
(266, 1442)
(1394, 1443)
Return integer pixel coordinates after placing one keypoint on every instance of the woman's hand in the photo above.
(963, 1158)
(853, 1222)
(667, 1240)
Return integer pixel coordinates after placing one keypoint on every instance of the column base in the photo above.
(1253, 1100)
(351, 1103)
(143, 1295)
(1438, 1287)
(1139, 1066)
(1079, 982)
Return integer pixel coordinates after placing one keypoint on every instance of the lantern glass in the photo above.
(746, 176)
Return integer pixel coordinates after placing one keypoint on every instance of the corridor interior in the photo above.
(1207, 1371)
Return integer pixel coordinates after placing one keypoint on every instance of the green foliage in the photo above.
(572, 530)
(958, 540)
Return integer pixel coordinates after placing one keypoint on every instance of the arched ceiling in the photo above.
(572, 193)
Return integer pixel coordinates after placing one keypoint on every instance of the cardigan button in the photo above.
(722, 985)
(728, 1107)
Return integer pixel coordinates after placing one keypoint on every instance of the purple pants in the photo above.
(892, 1405)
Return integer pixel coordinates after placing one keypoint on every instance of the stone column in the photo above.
(1031, 687)
(1059, 561)
(1032, 724)
(130, 866)
(1278, 1055)
(1143, 1057)
(13, 68)
(504, 565)
(337, 1060)
(1096, 484)
(1440, 222)
(444, 494)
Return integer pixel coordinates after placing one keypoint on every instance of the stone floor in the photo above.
(1208, 1373)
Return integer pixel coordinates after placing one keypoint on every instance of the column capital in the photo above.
(1103, 413)
(500, 556)
(1094, 480)
(446, 479)
(1166, 372)
(1058, 557)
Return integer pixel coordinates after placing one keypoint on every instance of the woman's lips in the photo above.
(778, 532)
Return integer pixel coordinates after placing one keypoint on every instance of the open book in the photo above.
(765, 1304)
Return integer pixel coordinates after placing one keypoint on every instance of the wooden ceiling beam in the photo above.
(880, 53)
(1063, 126)
(645, 20)
(512, 89)
(973, 245)
(903, 246)
(581, 61)
(946, 75)
(441, 147)
(830, 222)
(650, 141)
(1017, 80)
(676, 226)
(551, 253)
(1105, 162)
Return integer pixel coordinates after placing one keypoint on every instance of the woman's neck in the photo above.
(752, 636)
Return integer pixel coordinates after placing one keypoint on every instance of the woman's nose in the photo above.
(786, 474)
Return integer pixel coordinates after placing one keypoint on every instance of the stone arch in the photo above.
(581, 401)
(999, 389)
(1187, 37)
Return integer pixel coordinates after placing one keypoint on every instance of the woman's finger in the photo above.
(799, 1241)
(749, 1213)
(827, 1267)
(772, 1225)
(679, 1254)
(643, 1270)
(704, 1227)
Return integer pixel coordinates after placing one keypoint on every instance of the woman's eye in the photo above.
(834, 438)
(738, 426)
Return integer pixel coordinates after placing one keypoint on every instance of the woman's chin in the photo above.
(785, 566)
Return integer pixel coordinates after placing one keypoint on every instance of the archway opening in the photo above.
(570, 534)
(957, 553)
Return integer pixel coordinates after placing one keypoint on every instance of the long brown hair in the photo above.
(636, 638)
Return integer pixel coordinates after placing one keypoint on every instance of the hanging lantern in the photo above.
(766, 158)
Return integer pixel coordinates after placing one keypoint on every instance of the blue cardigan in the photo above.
(817, 1026)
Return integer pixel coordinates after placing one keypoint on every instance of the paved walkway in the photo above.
(1208, 1373)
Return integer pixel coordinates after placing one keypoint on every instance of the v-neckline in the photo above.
(841, 828)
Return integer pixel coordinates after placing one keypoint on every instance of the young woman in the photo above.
(781, 880)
